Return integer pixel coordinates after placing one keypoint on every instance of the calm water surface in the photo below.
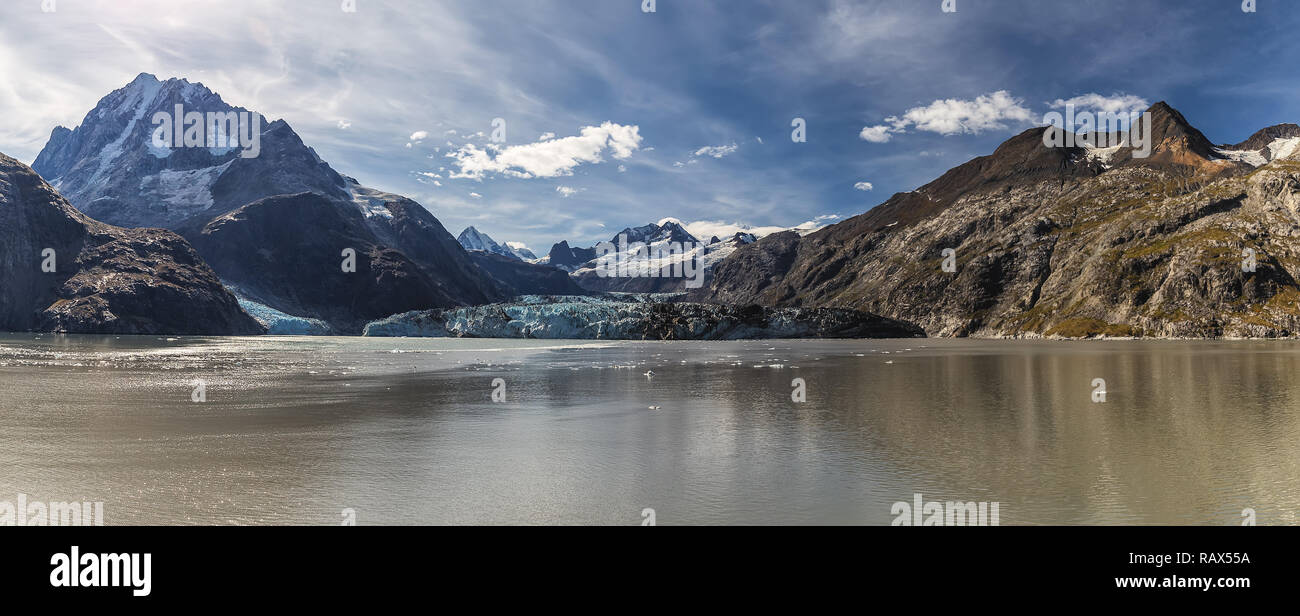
(404, 431)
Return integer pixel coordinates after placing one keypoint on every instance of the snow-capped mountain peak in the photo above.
(473, 239)
(1267, 145)
(113, 167)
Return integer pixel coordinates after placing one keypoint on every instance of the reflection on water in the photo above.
(404, 431)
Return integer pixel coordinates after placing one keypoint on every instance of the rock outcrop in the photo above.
(104, 279)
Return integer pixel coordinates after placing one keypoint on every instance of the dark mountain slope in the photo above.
(107, 280)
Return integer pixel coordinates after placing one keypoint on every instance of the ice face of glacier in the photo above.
(605, 318)
(280, 324)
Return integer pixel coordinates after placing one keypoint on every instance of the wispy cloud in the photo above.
(717, 151)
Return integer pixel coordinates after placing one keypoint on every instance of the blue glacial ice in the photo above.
(635, 318)
(280, 324)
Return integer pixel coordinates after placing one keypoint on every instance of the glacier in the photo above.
(633, 317)
(281, 324)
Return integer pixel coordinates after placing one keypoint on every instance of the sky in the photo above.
(617, 116)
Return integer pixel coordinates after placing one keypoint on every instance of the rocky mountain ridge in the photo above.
(1193, 241)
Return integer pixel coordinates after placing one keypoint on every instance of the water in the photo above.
(404, 431)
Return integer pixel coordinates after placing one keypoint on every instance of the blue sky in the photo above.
(688, 109)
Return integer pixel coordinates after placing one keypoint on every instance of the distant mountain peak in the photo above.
(1265, 136)
(473, 239)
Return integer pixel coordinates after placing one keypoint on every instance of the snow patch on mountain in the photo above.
(1283, 148)
(1101, 155)
(183, 191)
(142, 95)
(371, 202)
(1250, 157)
(1278, 148)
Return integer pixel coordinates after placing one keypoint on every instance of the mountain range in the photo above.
(473, 239)
(582, 262)
(1195, 240)
(273, 226)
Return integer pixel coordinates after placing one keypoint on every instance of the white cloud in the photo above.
(717, 151)
(546, 137)
(875, 134)
(953, 116)
(344, 125)
(518, 246)
(863, 186)
(475, 195)
(1115, 103)
(565, 191)
(425, 177)
(552, 158)
(419, 135)
(622, 168)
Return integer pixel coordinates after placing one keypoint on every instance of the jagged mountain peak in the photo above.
(668, 229)
(473, 239)
(112, 168)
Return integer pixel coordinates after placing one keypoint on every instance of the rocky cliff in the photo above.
(62, 271)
